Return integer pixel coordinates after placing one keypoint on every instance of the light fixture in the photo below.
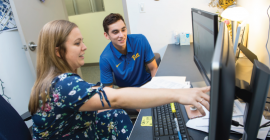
(235, 14)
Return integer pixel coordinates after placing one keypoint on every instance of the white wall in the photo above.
(258, 27)
(165, 16)
(15, 72)
(162, 18)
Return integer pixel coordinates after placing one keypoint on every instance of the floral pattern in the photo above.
(60, 117)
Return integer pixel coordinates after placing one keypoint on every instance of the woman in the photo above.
(65, 107)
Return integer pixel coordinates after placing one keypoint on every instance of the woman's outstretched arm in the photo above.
(133, 98)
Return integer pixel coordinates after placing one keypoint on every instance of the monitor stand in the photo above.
(242, 84)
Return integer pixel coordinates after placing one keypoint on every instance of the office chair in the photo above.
(12, 125)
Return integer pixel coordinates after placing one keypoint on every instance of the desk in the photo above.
(177, 61)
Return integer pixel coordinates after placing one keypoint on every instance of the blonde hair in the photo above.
(49, 65)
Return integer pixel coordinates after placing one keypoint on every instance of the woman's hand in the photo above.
(196, 97)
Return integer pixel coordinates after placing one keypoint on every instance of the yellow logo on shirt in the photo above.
(118, 64)
(135, 57)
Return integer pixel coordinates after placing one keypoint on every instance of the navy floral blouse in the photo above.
(61, 118)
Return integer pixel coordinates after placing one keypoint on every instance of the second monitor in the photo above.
(205, 30)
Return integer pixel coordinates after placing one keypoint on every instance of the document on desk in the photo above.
(238, 110)
(172, 82)
(202, 123)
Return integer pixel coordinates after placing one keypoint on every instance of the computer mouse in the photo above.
(193, 108)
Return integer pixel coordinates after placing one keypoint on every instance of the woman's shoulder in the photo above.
(69, 80)
(66, 77)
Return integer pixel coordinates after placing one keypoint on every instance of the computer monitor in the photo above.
(205, 30)
(222, 86)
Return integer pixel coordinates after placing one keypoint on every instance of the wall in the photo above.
(258, 27)
(91, 28)
(70, 7)
(15, 71)
(162, 18)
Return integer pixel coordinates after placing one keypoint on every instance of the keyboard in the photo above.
(164, 127)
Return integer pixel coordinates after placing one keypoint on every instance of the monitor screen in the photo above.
(205, 29)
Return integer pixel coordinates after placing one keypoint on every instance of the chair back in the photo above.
(12, 126)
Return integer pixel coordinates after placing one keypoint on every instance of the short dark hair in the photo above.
(110, 19)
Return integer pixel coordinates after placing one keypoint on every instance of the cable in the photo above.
(268, 35)
(267, 101)
(267, 41)
(265, 125)
(235, 123)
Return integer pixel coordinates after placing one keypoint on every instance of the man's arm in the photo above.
(149, 57)
(153, 67)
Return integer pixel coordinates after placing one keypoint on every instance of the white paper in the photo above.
(240, 106)
(167, 82)
(238, 109)
(177, 79)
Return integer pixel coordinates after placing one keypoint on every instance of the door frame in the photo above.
(124, 3)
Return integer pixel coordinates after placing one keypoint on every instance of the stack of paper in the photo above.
(172, 82)
(202, 123)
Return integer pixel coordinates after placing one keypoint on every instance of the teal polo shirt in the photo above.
(129, 70)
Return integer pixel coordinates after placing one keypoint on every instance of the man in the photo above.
(125, 56)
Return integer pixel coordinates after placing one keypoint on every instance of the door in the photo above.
(30, 17)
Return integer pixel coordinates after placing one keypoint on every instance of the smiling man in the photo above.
(126, 55)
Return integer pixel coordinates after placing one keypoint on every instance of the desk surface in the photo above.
(177, 61)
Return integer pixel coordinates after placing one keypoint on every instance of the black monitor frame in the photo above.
(222, 87)
(214, 17)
